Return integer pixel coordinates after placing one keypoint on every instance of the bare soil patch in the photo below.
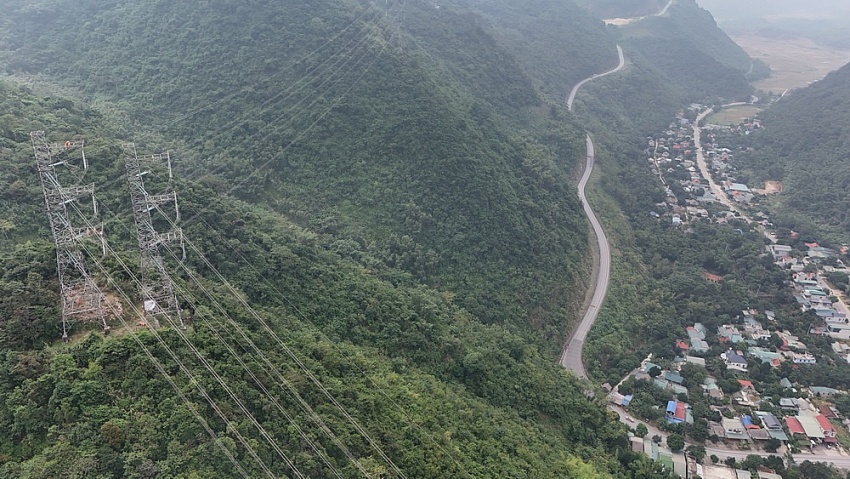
(771, 187)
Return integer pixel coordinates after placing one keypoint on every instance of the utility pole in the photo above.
(157, 287)
(82, 299)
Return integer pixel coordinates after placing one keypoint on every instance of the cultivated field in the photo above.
(795, 62)
(733, 115)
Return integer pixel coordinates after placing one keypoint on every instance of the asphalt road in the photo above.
(571, 357)
(664, 10)
(703, 167)
(595, 76)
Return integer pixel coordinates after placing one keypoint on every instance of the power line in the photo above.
(180, 363)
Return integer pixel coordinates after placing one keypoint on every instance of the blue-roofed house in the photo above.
(677, 412)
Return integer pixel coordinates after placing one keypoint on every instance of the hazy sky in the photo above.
(776, 9)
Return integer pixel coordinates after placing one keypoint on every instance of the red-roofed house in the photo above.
(828, 430)
(712, 277)
(682, 345)
(746, 386)
(794, 426)
(829, 412)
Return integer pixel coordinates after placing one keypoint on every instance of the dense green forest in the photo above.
(389, 187)
(428, 199)
(805, 144)
(443, 394)
(688, 48)
(426, 91)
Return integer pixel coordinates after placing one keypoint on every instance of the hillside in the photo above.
(443, 394)
(388, 186)
(621, 8)
(266, 121)
(688, 48)
(805, 144)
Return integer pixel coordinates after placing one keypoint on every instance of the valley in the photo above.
(388, 220)
(794, 62)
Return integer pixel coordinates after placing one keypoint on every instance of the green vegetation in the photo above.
(399, 209)
(443, 394)
(444, 155)
(690, 50)
(805, 145)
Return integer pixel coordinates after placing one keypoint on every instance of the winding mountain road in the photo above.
(571, 357)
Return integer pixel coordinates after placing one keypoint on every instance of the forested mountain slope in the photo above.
(693, 53)
(806, 145)
(417, 161)
(444, 395)
(622, 8)
(387, 185)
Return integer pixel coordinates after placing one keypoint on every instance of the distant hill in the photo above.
(691, 50)
(806, 144)
(622, 8)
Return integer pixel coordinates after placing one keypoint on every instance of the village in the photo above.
(729, 385)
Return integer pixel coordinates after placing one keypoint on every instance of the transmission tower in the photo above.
(82, 299)
(157, 287)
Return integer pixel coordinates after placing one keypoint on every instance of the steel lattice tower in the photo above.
(82, 299)
(157, 287)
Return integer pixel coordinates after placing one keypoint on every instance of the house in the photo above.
(764, 355)
(791, 341)
(829, 412)
(789, 404)
(736, 187)
(698, 346)
(712, 389)
(786, 383)
(734, 360)
(733, 429)
(682, 346)
(772, 425)
(712, 278)
(747, 386)
(695, 360)
(697, 335)
(678, 412)
(794, 426)
(838, 331)
(812, 427)
(842, 350)
(742, 474)
(756, 332)
(803, 358)
(648, 366)
(729, 334)
(747, 421)
(674, 377)
(821, 391)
